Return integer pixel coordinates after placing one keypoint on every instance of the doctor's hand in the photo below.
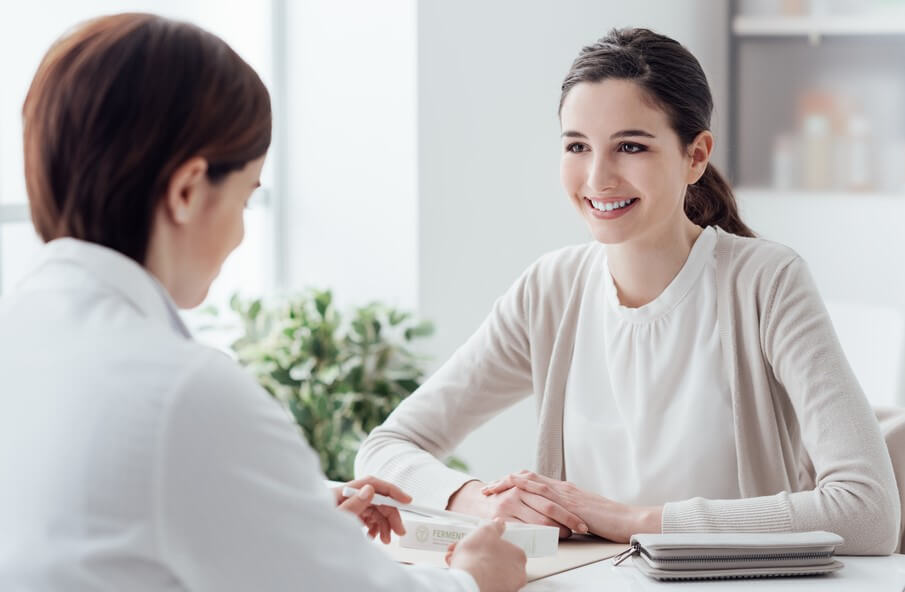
(380, 520)
(516, 505)
(604, 517)
(495, 564)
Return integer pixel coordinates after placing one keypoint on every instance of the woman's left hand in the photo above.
(605, 518)
(380, 520)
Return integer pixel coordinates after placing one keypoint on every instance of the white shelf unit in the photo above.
(772, 63)
(749, 192)
(817, 26)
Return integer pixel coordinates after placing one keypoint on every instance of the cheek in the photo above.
(571, 175)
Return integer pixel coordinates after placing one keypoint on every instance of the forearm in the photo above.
(618, 522)
(868, 529)
(416, 471)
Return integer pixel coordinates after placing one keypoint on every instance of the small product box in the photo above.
(436, 534)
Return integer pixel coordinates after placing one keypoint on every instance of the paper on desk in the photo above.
(573, 552)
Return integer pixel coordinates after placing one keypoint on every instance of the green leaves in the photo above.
(339, 378)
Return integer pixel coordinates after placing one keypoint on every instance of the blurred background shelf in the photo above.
(824, 116)
(846, 197)
(891, 23)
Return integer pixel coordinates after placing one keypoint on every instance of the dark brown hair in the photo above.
(674, 80)
(115, 107)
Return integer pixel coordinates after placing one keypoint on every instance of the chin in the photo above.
(191, 299)
(609, 236)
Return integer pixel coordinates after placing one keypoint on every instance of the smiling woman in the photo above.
(686, 374)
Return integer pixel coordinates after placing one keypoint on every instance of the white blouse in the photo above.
(133, 458)
(648, 410)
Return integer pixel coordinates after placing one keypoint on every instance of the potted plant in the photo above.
(339, 378)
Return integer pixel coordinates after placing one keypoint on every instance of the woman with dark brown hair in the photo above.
(686, 374)
(132, 457)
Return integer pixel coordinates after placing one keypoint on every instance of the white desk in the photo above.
(860, 574)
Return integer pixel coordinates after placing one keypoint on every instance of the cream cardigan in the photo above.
(810, 452)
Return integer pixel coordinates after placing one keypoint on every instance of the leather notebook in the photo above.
(699, 556)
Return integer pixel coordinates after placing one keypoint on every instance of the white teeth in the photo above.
(611, 205)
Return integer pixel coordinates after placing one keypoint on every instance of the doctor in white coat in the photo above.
(131, 457)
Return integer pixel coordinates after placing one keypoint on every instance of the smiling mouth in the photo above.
(610, 206)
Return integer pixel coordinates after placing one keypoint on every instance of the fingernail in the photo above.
(364, 493)
(583, 528)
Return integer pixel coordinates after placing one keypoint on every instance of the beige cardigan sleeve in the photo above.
(855, 494)
(490, 372)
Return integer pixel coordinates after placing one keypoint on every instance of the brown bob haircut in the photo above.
(116, 106)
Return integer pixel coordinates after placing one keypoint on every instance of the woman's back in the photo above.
(90, 361)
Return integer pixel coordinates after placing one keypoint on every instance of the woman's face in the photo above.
(623, 166)
(221, 226)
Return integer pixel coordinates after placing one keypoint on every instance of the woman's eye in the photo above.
(576, 147)
(631, 148)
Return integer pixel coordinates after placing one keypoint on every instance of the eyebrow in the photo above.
(619, 134)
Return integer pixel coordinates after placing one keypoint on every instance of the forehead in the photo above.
(609, 106)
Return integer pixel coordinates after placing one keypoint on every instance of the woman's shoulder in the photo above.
(757, 267)
(742, 254)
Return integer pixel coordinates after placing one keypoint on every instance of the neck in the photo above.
(642, 268)
(162, 258)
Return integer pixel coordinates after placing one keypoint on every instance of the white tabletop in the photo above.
(873, 574)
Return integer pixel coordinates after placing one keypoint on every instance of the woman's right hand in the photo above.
(515, 505)
(495, 564)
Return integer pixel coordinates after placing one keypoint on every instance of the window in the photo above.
(27, 33)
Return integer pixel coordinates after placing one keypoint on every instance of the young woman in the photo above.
(132, 457)
(686, 375)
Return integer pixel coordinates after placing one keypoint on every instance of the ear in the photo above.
(186, 191)
(699, 151)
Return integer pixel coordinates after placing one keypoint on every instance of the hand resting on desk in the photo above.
(528, 497)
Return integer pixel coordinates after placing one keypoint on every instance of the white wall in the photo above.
(854, 245)
(490, 202)
(351, 116)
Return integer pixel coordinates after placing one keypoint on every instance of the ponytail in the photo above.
(710, 202)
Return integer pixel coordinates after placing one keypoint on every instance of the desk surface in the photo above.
(873, 574)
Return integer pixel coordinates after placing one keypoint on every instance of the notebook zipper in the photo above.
(727, 558)
(637, 549)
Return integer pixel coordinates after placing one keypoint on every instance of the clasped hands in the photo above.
(535, 499)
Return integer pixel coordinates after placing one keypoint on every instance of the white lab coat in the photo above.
(133, 458)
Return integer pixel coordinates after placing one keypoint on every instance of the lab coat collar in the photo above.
(117, 271)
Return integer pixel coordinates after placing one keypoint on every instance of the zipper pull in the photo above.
(635, 548)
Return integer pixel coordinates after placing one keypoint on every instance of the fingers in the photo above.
(509, 481)
(498, 486)
(373, 516)
(358, 503)
(393, 518)
(555, 512)
(449, 553)
(532, 516)
(381, 487)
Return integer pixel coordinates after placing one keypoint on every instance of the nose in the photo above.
(601, 175)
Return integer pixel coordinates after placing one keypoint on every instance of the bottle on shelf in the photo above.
(856, 171)
(819, 122)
